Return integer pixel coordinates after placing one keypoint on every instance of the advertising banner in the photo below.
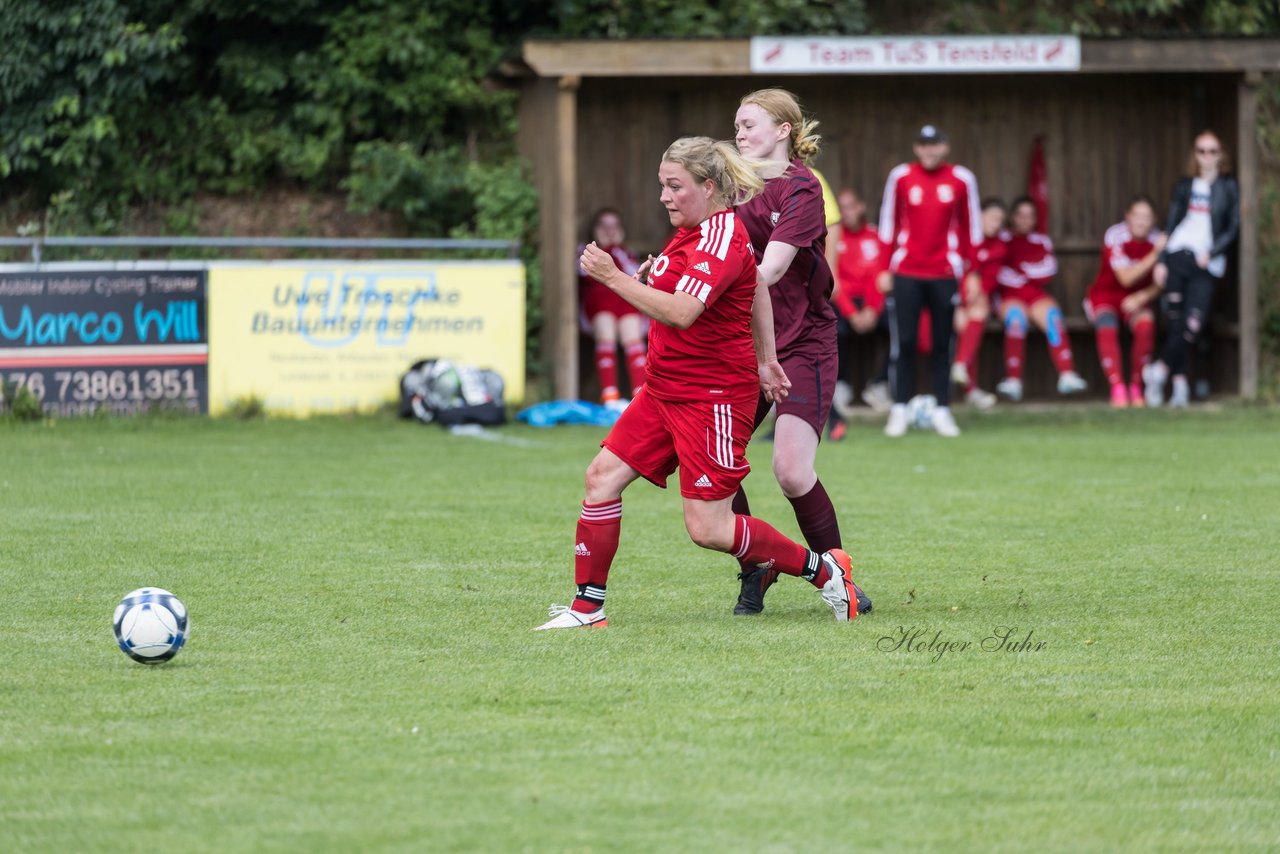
(310, 337)
(914, 54)
(124, 341)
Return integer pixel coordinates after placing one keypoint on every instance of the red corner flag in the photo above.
(1038, 184)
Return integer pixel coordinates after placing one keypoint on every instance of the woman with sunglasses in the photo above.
(1204, 221)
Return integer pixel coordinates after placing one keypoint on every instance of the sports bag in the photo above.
(438, 391)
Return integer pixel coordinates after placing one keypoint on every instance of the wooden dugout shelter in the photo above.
(595, 117)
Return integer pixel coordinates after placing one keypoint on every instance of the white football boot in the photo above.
(564, 617)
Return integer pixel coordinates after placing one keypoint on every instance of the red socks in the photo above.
(757, 542)
(1109, 354)
(1015, 347)
(635, 353)
(607, 371)
(967, 347)
(1144, 340)
(597, 543)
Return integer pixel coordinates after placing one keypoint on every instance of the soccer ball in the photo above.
(150, 625)
(920, 411)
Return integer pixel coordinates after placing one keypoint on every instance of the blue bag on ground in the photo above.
(555, 412)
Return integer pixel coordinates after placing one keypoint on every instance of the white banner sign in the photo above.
(914, 54)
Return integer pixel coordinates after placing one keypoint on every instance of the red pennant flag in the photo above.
(1038, 184)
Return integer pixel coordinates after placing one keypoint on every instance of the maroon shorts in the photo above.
(706, 440)
(598, 299)
(813, 384)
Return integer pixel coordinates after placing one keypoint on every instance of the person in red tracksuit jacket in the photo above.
(1029, 266)
(929, 222)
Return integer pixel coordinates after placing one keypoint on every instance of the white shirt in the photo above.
(1195, 233)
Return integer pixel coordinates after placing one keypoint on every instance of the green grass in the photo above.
(361, 672)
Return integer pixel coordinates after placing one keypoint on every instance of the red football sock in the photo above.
(924, 334)
(597, 543)
(967, 347)
(1144, 341)
(1059, 343)
(607, 371)
(635, 365)
(757, 542)
(816, 516)
(1109, 353)
(1015, 346)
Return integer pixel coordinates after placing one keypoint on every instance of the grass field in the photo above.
(361, 674)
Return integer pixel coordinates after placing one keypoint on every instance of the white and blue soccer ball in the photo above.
(150, 625)
(920, 411)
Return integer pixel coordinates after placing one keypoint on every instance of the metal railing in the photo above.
(37, 244)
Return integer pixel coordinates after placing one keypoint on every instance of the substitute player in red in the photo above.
(612, 319)
(975, 307)
(788, 230)
(1123, 291)
(1029, 266)
(711, 353)
(929, 220)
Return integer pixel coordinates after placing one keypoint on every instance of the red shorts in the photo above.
(1097, 301)
(1028, 295)
(706, 440)
(598, 299)
(813, 384)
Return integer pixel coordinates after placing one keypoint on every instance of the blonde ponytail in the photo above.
(782, 106)
(737, 179)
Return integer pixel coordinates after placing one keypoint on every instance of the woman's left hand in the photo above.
(1202, 260)
(598, 264)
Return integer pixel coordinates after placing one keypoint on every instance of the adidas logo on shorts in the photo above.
(581, 550)
(702, 481)
(703, 267)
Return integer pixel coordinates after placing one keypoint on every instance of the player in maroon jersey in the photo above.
(975, 307)
(930, 223)
(788, 230)
(1029, 265)
(711, 354)
(612, 318)
(1124, 290)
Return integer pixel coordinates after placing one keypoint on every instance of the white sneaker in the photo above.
(960, 373)
(564, 617)
(1153, 376)
(979, 399)
(1069, 382)
(944, 423)
(842, 401)
(1181, 394)
(845, 598)
(876, 395)
(1010, 388)
(897, 424)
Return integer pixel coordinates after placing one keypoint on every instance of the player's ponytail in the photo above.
(737, 179)
(782, 106)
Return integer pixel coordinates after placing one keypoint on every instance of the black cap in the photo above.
(930, 134)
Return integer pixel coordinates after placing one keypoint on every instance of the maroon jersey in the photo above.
(1028, 262)
(714, 359)
(930, 220)
(988, 259)
(790, 211)
(1119, 250)
(860, 258)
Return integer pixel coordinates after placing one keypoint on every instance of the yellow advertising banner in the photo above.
(309, 337)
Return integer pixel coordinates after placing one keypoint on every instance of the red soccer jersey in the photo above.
(860, 257)
(1119, 250)
(930, 220)
(988, 258)
(790, 211)
(1028, 261)
(714, 359)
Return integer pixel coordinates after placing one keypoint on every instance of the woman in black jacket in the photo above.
(1204, 221)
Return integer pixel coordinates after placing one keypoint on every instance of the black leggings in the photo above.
(909, 297)
(1188, 295)
(845, 336)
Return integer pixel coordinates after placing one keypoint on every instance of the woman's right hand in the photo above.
(1160, 274)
